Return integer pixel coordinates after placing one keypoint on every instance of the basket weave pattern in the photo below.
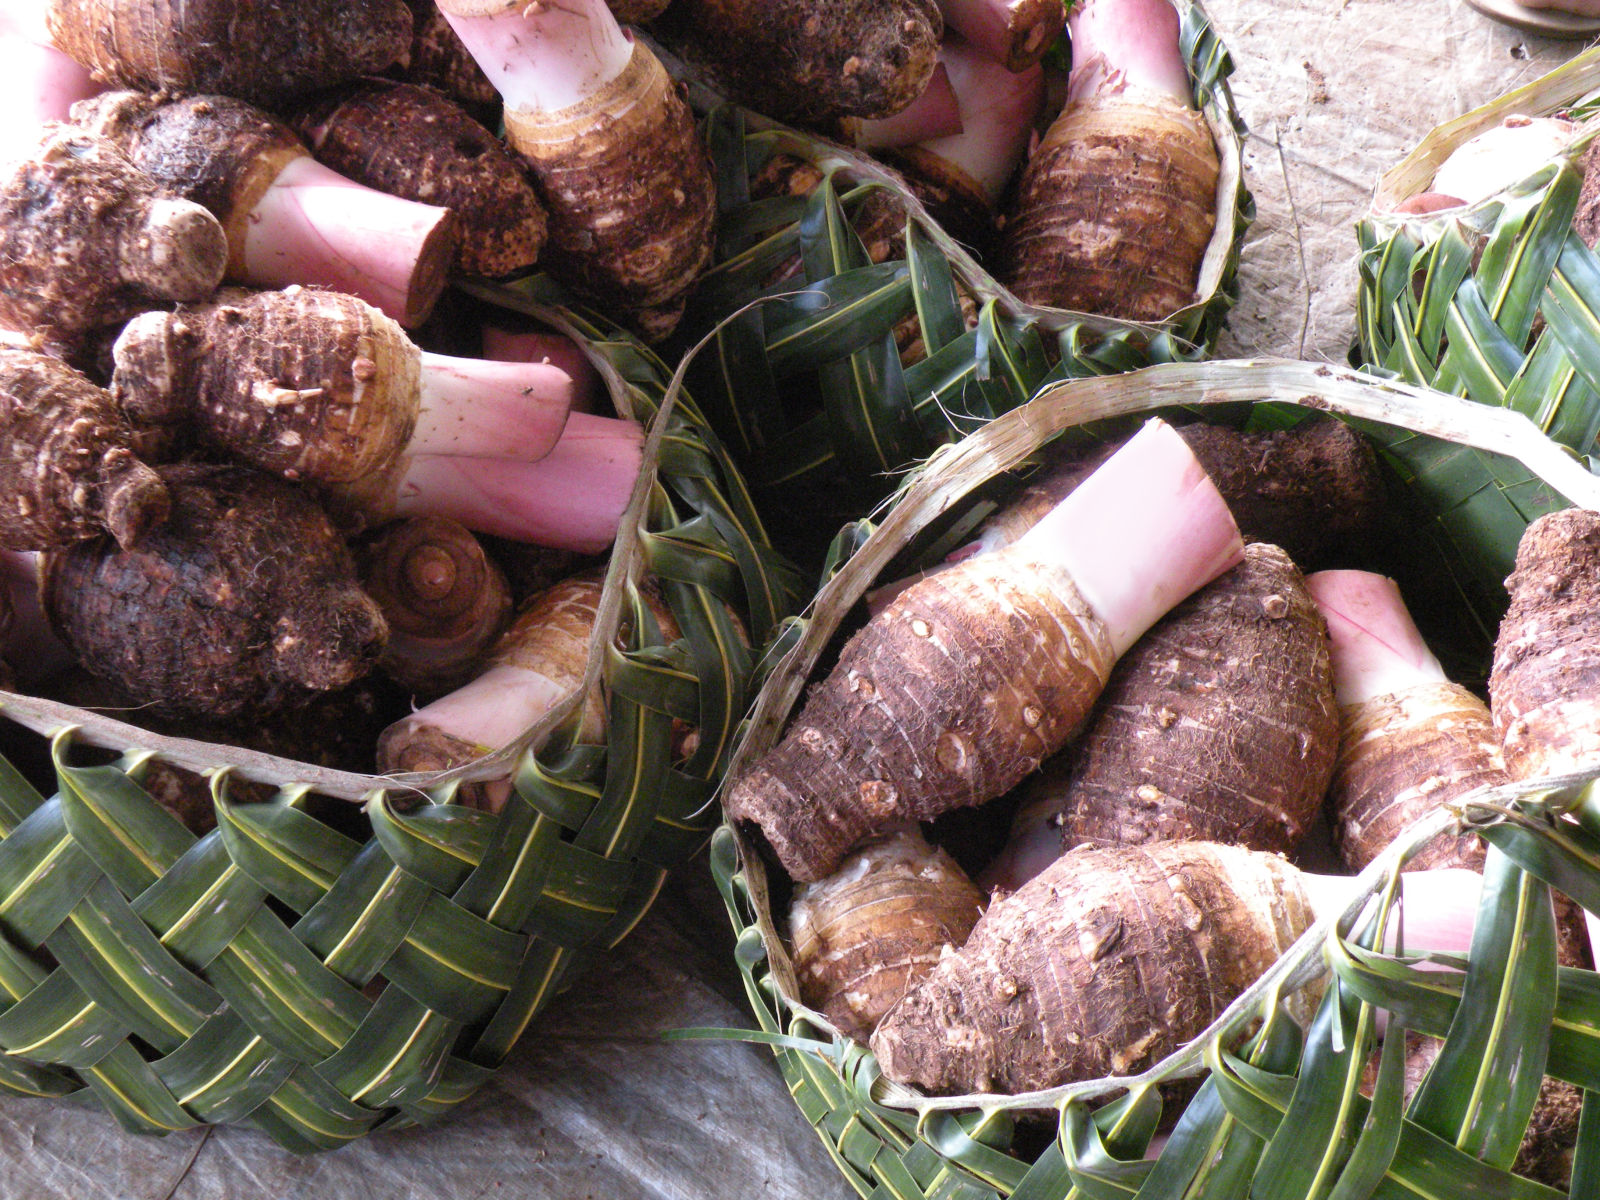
(279, 972)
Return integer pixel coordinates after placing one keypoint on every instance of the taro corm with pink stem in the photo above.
(934, 114)
(1010, 649)
(289, 219)
(1114, 956)
(321, 387)
(974, 166)
(612, 146)
(536, 664)
(1013, 33)
(572, 499)
(1118, 204)
(557, 349)
(1410, 739)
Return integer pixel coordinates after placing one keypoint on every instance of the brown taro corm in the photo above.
(1219, 725)
(264, 51)
(87, 240)
(1402, 755)
(444, 598)
(439, 60)
(876, 926)
(1104, 963)
(412, 142)
(67, 467)
(1544, 690)
(244, 601)
(309, 384)
(799, 62)
(288, 219)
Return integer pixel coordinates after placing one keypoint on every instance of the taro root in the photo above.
(244, 601)
(318, 386)
(67, 470)
(1118, 204)
(439, 60)
(1313, 489)
(86, 241)
(876, 926)
(961, 177)
(537, 663)
(809, 63)
(1105, 962)
(637, 12)
(445, 600)
(289, 219)
(612, 146)
(970, 678)
(1218, 725)
(1013, 33)
(1544, 690)
(412, 142)
(1411, 740)
(259, 50)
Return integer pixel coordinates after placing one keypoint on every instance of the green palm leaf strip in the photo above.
(1481, 1091)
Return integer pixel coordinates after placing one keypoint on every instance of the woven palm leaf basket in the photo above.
(1497, 300)
(355, 952)
(865, 332)
(1281, 1108)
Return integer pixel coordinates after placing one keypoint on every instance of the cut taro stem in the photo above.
(314, 226)
(937, 113)
(38, 84)
(1152, 494)
(998, 108)
(1376, 647)
(542, 65)
(505, 345)
(1127, 48)
(474, 408)
(1012, 33)
(573, 499)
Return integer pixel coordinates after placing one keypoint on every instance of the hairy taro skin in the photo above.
(1105, 962)
(1544, 689)
(809, 64)
(309, 384)
(413, 143)
(263, 51)
(244, 601)
(67, 470)
(1114, 211)
(217, 151)
(628, 188)
(439, 60)
(876, 926)
(949, 697)
(87, 240)
(1218, 725)
(1402, 755)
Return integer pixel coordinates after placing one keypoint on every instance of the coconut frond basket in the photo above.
(1496, 301)
(1280, 1114)
(317, 984)
(847, 362)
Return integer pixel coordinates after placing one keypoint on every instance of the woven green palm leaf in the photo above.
(1498, 301)
(285, 973)
(816, 383)
(1282, 1111)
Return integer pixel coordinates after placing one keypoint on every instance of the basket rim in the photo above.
(1571, 83)
(1003, 444)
